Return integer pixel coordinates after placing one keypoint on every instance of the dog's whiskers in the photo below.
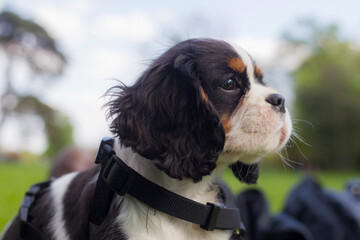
(295, 120)
(295, 136)
(288, 161)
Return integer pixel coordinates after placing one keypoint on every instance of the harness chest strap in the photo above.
(116, 177)
(26, 229)
(122, 179)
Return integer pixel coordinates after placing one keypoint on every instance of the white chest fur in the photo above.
(140, 222)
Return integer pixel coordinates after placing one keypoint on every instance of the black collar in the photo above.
(122, 179)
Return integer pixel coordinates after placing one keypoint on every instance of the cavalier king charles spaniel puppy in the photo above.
(199, 108)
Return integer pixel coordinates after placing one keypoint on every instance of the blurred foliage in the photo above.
(327, 88)
(25, 40)
(58, 129)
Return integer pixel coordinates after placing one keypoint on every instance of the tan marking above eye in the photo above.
(236, 64)
(258, 72)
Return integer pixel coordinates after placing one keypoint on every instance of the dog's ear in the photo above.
(165, 117)
(245, 173)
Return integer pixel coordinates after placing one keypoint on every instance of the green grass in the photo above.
(15, 179)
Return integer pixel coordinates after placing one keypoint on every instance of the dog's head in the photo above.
(198, 100)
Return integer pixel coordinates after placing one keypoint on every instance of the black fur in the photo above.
(164, 118)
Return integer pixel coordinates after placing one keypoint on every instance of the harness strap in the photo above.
(121, 179)
(124, 180)
(116, 177)
(26, 229)
(103, 196)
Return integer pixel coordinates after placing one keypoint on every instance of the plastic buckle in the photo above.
(211, 221)
(124, 182)
(25, 207)
(27, 202)
(23, 217)
(104, 149)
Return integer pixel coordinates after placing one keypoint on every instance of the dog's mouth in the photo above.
(284, 133)
(275, 141)
(263, 133)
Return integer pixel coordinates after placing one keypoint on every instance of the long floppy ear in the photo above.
(245, 173)
(164, 117)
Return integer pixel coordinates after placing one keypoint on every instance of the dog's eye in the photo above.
(229, 84)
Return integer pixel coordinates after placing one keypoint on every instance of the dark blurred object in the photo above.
(261, 226)
(72, 160)
(254, 213)
(351, 195)
(327, 89)
(353, 188)
(328, 215)
(9, 157)
(310, 213)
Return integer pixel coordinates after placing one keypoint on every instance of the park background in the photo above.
(58, 58)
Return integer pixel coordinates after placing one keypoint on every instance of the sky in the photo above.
(107, 40)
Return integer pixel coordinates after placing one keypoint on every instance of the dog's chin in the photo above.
(251, 147)
(276, 142)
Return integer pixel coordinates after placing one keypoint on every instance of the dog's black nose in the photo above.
(277, 101)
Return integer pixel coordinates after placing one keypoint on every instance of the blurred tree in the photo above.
(25, 40)
(327, 88)
(57, 126)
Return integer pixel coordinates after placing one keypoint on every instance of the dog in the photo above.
(199, 108)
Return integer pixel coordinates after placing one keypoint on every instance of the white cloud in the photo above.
(89, 118)
(84, 107)
(66, 24)
(262, 50)
(104, 63)
(292, 58)
(79, 96)
(272, 53)
(107, 61)
(134, 27)
(81, 7)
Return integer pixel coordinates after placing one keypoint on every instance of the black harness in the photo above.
(26, 229)
(116, 177)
